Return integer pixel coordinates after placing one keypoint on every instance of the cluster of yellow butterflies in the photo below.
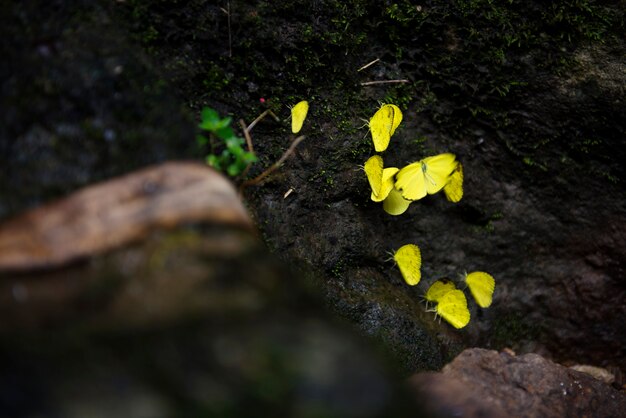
(450, 302)
(397, 188)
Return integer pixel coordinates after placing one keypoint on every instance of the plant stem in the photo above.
(274, 166)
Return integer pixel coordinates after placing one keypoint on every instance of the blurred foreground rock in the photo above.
(150, 296)
(117, 212)
(485, 383)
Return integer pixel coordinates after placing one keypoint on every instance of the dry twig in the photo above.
(230, 37)
(368, 64)
(246, 134)
(274, 166)
(261, 116)
(371, 83)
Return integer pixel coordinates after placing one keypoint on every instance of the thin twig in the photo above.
(247, 135)
(230, 37)
(261, 116)
(250, 147)
(371, 83)
(274, 166)
(368, 64)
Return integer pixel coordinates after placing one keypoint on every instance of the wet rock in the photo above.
(484, 383)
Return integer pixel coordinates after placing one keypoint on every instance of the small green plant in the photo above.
(227, 152)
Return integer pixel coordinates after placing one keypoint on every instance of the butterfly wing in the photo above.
(453, 308)
(298, 115)
(410, 181)
(409, 262)
(380, 127)
(438, 289)
(454, 187)
(396, 118)
(437, 171)
(395, 204)
(481, 286)
(387, 184)
(374, 172)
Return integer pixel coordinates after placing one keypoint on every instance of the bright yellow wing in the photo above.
(437, 170)
(395, 119)
(409, 261)
(383, 124)
(298, 115)
(379, 127)
(410, 181)
(438, 289)
(387, 184)
(453, 308)
(454, 188)
(481, 285)
(395, 204)
(374, 172)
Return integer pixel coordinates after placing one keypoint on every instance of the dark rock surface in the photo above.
(80, 103)
(485, 383)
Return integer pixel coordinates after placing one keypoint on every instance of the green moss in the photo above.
(215, 78)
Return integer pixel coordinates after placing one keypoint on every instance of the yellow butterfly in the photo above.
(481, 285)
(409, 261)
(387, 184)
(380, 179)
(395, 204)
(438, 289)
(383, 125)
(425, 176)
(454, 187)
(374, 172)
(452, 307)
(298, 115)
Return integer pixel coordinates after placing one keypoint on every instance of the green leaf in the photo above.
(249, 158)
(201, 140)
(214, 162)
(233, 157)
(225, 133)
(236, 151)
(224, 122)
(233, 170)
(233, 141)
(211, 120)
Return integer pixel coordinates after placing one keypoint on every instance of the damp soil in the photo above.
(529, 97)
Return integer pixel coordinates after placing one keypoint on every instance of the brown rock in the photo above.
(484, 383)
(116, 212)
